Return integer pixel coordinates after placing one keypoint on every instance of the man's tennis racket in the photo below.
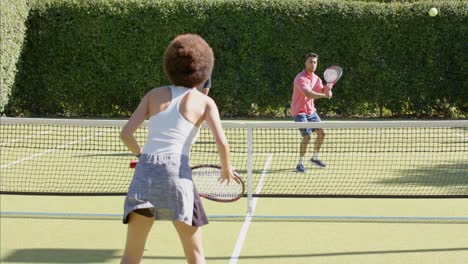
(206, 179)
(332, 74)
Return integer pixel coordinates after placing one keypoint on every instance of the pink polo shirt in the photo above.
(300, 104)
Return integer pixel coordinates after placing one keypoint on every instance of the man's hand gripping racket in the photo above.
(331, 75)
(210, 185)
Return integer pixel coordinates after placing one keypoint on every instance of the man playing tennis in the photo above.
(162, 187)
(308, 87)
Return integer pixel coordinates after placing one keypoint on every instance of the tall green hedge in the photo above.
(13, 15)
(99, 57)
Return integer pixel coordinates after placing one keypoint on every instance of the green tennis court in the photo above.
(393, 190)
(402, 159)
(387, 161)
(88, 230)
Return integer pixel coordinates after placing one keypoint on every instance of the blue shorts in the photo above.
(307, 118)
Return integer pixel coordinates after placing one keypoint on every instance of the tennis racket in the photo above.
(206, 179)
(332, 74)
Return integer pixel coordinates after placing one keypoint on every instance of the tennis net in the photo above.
(388, 159)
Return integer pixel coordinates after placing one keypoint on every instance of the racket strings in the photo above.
(332, 74)
(208, 185)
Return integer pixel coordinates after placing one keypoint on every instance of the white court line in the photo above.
(48, 151)
(248, 217)
(25, 138)
(346, 218)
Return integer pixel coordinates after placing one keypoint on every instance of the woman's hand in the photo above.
(228, 174)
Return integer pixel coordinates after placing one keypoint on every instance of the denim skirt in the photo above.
(162, 188)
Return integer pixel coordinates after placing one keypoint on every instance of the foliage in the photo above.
(13, 15)
(99, 57)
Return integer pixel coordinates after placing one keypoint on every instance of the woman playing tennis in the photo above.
(162, 186)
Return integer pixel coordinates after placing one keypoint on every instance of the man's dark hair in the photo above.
(188, 60)
(311, 55)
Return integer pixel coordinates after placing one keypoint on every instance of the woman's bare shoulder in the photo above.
(159, 90)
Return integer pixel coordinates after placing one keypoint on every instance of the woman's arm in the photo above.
(214, 123)
(137, 118)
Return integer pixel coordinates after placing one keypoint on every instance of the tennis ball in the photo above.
(433, 12)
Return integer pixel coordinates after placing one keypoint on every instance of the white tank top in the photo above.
(169, 132)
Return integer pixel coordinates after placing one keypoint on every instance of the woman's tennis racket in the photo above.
(332, 74)
(206, 179)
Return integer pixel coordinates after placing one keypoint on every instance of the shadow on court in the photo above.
(61, 255)
(441, 175)
(54, 255)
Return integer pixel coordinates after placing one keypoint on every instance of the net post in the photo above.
(249, 169)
